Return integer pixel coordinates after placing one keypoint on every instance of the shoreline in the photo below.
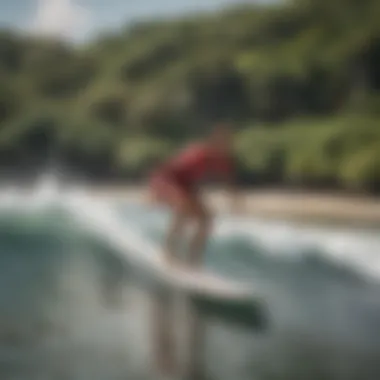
(277, 204)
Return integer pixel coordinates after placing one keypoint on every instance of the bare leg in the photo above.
(174, 236)
(164, 335)
(200, 237)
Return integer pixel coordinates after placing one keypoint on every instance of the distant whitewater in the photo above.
(70, 309)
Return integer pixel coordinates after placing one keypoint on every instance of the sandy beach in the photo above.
(278, 204)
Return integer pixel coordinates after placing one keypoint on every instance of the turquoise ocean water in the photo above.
(70, 309)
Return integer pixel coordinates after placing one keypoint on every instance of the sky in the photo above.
(83, 19)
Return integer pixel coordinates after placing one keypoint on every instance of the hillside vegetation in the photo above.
(300, 80)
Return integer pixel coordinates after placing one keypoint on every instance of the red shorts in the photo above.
(170, 189)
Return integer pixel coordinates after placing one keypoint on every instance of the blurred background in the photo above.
(95, 92)
(108, 88)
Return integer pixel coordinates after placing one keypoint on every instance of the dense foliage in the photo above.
(300, 79)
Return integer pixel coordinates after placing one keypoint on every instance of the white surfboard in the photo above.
(212, 293)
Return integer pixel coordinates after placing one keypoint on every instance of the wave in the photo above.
(315, 279)
(343, 251)
(65, 292)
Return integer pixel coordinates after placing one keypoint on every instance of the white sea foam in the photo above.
(358, 248)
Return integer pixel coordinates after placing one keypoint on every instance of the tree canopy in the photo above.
(299, 79)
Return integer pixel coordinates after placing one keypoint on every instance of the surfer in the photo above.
(176, 184)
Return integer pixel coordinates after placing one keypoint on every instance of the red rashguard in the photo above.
(196, 163)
